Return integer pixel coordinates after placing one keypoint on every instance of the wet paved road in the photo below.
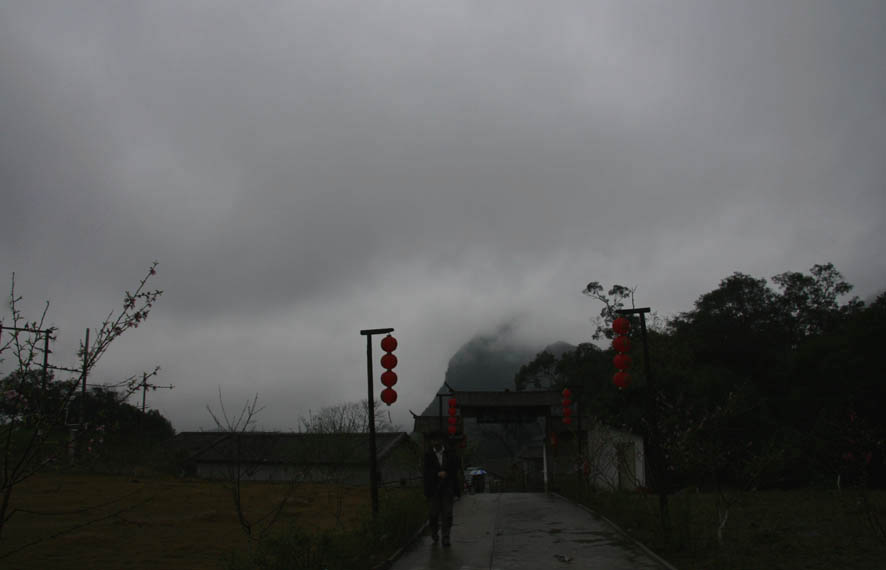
(515, 531)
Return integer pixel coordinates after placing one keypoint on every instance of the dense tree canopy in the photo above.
(101, 407)
(756, 385)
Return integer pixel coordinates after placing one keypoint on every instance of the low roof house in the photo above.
(273, 456)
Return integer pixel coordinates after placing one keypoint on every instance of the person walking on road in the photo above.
(441, 468)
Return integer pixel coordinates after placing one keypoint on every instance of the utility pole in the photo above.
(83, 374)
(144, 386)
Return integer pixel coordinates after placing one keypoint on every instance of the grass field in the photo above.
(804, 528)
(155, 522)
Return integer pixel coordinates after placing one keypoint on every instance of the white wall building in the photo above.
(616, 459)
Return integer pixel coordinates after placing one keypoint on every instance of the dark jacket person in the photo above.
(441, 469)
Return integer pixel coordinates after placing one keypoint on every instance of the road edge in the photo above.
(621, 531)
(389, 561)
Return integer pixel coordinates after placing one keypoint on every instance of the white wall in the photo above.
(616, 459)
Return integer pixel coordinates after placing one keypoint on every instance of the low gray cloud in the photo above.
(305, 170)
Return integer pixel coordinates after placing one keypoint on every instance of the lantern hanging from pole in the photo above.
(621, 379)
(621, 344)
(389, 378)
(389, 344)
(566, 402)
(621, 326)
(453, 419)
(388, 396)
(388, 361)
(622, 361)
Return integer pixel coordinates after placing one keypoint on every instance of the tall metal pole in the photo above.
(370, 400)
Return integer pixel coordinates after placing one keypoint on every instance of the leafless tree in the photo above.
(349, 417)
(36, 402)
(242, 456)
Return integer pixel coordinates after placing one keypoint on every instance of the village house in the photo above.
(616, 459)
(341, 458)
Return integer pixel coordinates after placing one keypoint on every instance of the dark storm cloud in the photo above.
(304, 170)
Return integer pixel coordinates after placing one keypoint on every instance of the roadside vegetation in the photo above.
(761, 417)
(811, 528)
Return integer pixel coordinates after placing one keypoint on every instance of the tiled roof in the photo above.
(277, 447)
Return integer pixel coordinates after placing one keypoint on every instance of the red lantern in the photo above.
(567, 420)
(389, 343)
(621, 344)
(452, 420)
(621, 325)
(567, 411)
(388, 361)
(567, 393)
(622, 361)
(389, 378)
(388, 396)
(452, 402)
(621, 379)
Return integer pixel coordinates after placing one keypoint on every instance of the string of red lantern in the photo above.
(567, 406)
(622, 346)
(388, 377)
(453, 420)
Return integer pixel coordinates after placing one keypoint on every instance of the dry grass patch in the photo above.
(155, 522)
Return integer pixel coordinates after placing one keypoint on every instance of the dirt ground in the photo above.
(104, 521)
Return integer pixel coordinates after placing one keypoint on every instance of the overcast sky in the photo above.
(304, 170)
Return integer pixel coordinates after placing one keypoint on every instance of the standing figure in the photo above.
(441, 469)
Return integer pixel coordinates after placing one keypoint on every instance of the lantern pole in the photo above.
(370, 404)
(653, 439)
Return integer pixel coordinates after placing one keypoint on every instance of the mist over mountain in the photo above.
(488, 362)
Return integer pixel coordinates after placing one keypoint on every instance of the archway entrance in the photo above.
(529, 465)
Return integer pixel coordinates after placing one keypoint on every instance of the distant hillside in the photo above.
(489, 362)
